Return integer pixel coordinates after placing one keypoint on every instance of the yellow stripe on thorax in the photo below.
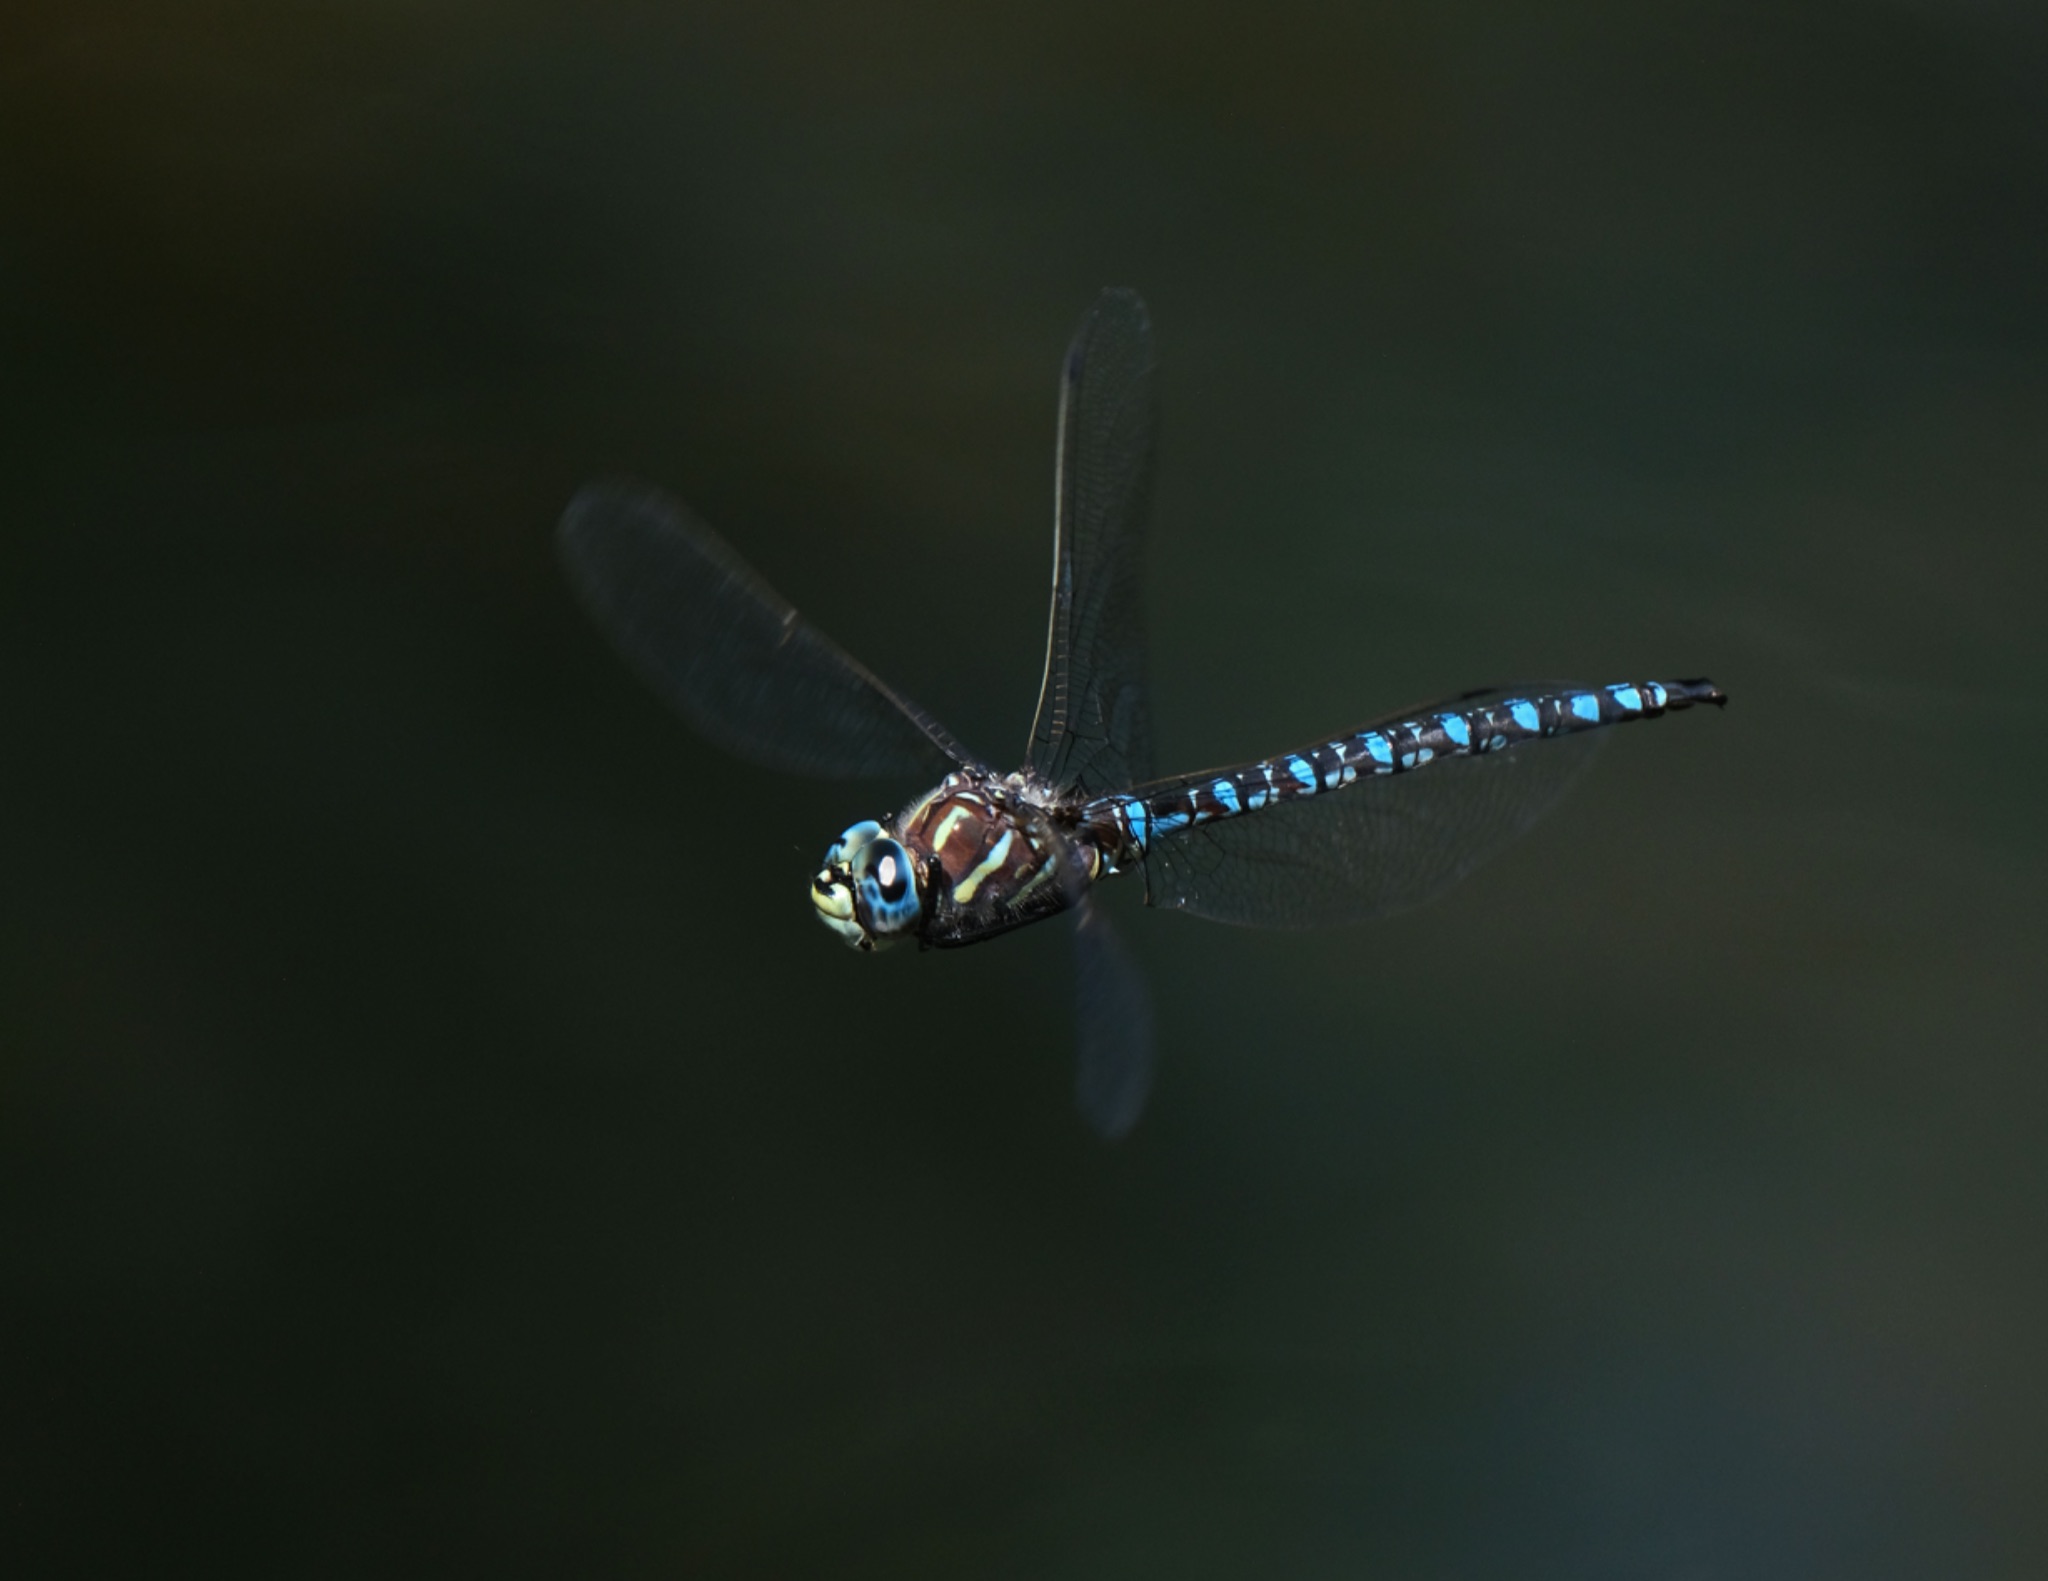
(947, 825)
(963, 891)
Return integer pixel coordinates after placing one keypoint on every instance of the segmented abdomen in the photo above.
(1147, 814)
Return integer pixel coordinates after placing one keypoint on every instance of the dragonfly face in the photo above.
(867, 890)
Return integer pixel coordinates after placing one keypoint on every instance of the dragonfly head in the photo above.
(867, 890)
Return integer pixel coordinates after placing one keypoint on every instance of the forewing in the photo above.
(1374, 847)
(729, 652)
(1093, 728)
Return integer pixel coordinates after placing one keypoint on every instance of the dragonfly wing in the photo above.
(1114, 1028)
(1375, 847)
(1093, 728)
(729, 652)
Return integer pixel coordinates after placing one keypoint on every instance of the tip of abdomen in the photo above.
(1683, 694)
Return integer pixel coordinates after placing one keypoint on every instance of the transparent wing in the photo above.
(1113, 1076)
(1093, 729)
(1375, 847)
(729, 652)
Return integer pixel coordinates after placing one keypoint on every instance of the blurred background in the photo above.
(435, 1135)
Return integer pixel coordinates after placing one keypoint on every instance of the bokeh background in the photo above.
(436, 1138)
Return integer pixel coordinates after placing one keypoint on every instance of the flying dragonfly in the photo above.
(1356, 824)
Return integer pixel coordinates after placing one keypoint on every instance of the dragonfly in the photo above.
(1360, 823)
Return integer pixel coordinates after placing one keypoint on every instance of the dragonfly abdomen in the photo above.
(1146, 815)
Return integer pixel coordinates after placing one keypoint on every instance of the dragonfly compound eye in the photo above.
(886, 885)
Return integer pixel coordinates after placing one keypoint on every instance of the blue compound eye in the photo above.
(888, 887)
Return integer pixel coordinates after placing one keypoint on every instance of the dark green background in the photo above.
(435, 1137)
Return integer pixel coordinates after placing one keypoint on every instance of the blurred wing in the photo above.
(1114, 1028)
(1093, 730)
(1377, 846)
(728, 651)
